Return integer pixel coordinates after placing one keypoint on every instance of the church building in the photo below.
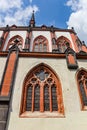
(43, 78)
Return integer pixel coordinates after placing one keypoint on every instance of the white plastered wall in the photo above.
(36, 34)
(43, 33)
(1, 32)
(48, 36)
(74, 118)
(12, 34)
(65, 34)
(2, 66)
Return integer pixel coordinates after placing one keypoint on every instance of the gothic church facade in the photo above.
(43, 78)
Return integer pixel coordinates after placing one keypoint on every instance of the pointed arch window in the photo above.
(40, 44)
(16, 40)
(82, 85)
(42, 93)
(62, 43)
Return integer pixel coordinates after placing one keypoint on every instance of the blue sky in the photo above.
(52, 12)
(60, 13)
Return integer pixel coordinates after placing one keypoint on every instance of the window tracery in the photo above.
(82, 83)
(16, 40)
(62, 43)
(40, 44)
(42, 92)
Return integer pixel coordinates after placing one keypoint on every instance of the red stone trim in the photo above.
(74, 38)
(14, 26)
(24, 28)
(7, 79)
(71, 59)
(84, 48)
(44, 55)
(41, 115)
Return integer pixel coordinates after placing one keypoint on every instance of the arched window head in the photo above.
(63, 43)
(40, 44)
(16, 40)
(42, 93)
(82, 85)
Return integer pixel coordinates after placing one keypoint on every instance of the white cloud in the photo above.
(6, 5)
(14, 12)
(73, 4)
(78, 18)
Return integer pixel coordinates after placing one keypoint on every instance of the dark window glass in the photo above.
(46, 98)
(86, 84)
(41, 74)
(37, 98)
(36, 48)
(54, 98)
(46, 74)
(40, 44)
(29, 98)
(40, 47)
(44, 48)
(84, 97)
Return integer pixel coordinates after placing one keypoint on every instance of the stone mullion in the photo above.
(25, 99)
(41, 97)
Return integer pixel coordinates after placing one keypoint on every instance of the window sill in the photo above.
(42, 115)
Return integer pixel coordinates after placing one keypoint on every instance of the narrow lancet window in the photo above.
(82, 84)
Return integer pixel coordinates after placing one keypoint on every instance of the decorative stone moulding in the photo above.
(71, 59)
